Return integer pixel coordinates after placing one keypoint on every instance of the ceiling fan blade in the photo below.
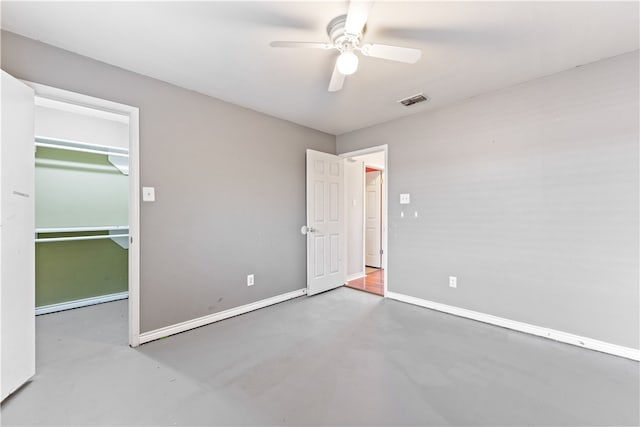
(311, 45)
(392, 53)
(337, 80)
(357, 16)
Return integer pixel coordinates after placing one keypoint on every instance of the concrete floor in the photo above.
(340, 358)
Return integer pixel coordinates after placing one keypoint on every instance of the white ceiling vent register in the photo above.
(415, 99)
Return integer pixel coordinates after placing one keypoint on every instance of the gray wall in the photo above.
(529, 196)
(229, 184)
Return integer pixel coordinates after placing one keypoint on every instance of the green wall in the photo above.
(68, 271)
(76, 189)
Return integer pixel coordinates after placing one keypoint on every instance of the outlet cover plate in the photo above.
(148, 194)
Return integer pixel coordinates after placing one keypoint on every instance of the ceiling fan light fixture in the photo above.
(347, 63)
(345, 33)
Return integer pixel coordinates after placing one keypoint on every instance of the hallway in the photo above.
(372, 282)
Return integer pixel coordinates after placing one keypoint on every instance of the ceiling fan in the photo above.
(345, 33)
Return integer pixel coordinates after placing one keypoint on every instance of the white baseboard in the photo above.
(216, 317)
(355, 276)
(565, 337)
(46, 309)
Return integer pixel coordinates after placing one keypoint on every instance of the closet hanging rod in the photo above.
(69, 239)
(81, 229)
(63, 144)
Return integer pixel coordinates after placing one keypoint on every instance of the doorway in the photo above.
(81, 206)
(366, 210)
(87, 203)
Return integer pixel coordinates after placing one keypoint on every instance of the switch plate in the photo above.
(250, 280)
(453, 281)
(405, 199)
(148, 194)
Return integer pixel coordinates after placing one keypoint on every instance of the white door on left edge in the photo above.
(17, 225)
(325, 222)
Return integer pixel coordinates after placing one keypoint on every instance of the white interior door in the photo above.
(17, 267)
(325, 227)
(373, 220)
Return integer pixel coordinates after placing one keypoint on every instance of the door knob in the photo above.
(307, 229)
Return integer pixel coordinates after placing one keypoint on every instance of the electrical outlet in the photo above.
(453, 281)
(250, 280)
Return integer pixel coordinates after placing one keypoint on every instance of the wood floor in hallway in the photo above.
(372, 282)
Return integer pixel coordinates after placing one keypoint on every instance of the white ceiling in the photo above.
(222, 49)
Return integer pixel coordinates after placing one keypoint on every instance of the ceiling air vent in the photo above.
(415, 99)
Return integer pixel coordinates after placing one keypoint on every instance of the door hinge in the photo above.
(381, 251)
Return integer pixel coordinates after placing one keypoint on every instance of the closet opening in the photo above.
(365, 193)
(86, 199)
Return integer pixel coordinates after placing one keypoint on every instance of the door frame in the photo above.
(385, 202)
(75, 98)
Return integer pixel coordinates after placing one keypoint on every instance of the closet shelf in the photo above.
(115, 233)
(64, 144)
(69, 239)
(81, 229)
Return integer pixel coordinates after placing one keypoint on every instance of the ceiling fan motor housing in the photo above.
(342, 41)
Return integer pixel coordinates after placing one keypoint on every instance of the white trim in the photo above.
(354, 276)
(46, 309)
(79, 100)
(565, 337)
(134, 228)
(132, 114)
(216, 317)
(385, 205)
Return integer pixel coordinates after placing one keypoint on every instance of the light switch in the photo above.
(405, 199)
(148, 194)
